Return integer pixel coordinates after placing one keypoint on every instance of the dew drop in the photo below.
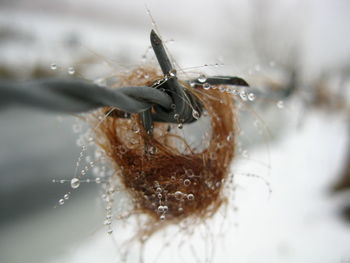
(162, 217)
(178, 195)
(176, 116)
(165, 208)
(107, 222)
(98, 180)
(202, 78)
(75, 183)
(280, 104)
(245, 153)
(109, 231)
(71, 70)
(206, 86)
(61, 201)
(160, 209)
(187, 182)
(172, 73)
(251, 96)
(190, 197)
(66, 196)
(53, 66)
(180, 126)
(243, 95)
(195, 114)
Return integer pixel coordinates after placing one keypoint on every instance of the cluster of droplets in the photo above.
(84, 164)
(241, 91)
(70, 70)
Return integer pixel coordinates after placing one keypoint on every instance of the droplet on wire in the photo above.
(202, 78)
(75, 183)
(53, 66)
(172, 73)
(71, 70)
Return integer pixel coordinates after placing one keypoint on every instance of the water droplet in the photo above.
(165, 208)
(110, 231)
(173, 106)
(75, 183)
(195, 114)
(159, 196)
(66, 196)
(135, 128)
(98, 180)
(180, 126)
(229, 138)
(187, 182)
(53, 180)
(251, 96)
(172, 73)
(71, 70)
(178, 195)
(53, 66)
(206, 86)
(162, 217)
(245, 153)
(243, 95)
(159, 190)
(107, 222)
(176, 116)
(202, 78)
(280, 104)
(160, 209)
(190, 197)
(61, 201)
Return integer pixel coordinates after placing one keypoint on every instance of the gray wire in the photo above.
(76, 96)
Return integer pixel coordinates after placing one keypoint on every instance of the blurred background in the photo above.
(299, 47)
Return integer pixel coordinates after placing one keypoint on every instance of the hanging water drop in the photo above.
(53, 66)
(98, 180)
(195, 114)
(280, 104)
(61, 201)
(178, 195)
(206, 86)
(172, 73)
(187, 182)
(190, 197)
(75, 183)
(251, 96)
(202, 78)
(71, 70)
(66, 196)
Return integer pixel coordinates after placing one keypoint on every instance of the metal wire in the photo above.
(76, 96)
